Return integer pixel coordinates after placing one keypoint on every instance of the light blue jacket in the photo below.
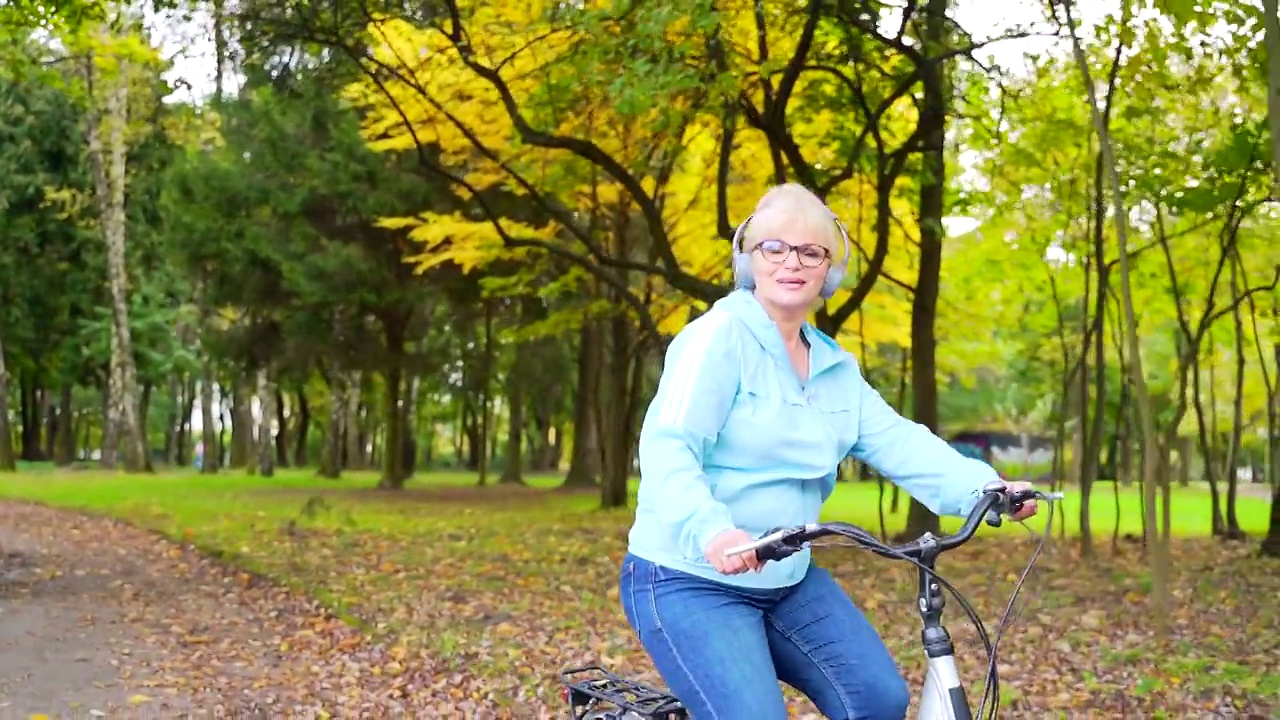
(733, 439)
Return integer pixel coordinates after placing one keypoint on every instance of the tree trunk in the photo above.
(183, 458)
(331, 452)
(393, 466)
(1271, 40)
(486, 401)
(1123, 464)
(512, 468)
(474, 441)
(8, 463)
(584, 463)
(924, 307)
(64, 446)
(1271, 544)
(225, 421)
(173, 419)
(614, 426)
(211, 459)
(1271, 27)
(351, 430)
(1078, 403)
(1150, 443)
(50, 423)
(84, 426)
(1206, 448)
(543, 399)
(29, 412)
(410, 412)
(1186, 453)
(1092, 450)
(110, 453)
(900, 404)
(107, 156)
(242, 449)
(1233, 530)
(282, 430)
(304, 427)
(267, 411)
(144, 412)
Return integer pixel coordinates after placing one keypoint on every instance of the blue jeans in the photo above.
(722, 649)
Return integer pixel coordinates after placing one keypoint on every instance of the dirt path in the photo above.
(97, 617)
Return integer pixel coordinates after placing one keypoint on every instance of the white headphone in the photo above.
(743, 277)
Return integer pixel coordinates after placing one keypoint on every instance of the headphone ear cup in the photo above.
(742, 276)
(829, 286)
(836, 273)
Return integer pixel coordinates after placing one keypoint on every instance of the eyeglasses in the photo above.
(777, 252)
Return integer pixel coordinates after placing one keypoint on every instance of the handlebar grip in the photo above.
(775, 550)
(1017, 499)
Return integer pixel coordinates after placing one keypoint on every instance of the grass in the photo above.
(511, 584)
(176, 500)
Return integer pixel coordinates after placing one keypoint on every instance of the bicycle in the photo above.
(594, 693)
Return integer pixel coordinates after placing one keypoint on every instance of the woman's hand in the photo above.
(1028, 507)
(730, 564)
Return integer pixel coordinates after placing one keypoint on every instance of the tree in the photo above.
(1151, 444)
(106, 63)
(6, 433)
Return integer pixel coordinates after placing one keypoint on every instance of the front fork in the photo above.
(943, 697)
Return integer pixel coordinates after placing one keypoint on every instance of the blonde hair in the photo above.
(785, 209)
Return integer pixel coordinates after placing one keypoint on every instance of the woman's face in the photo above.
(790, 267)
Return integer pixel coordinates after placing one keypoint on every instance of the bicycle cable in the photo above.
(965, 605)
(1005, 623)
(991, 686)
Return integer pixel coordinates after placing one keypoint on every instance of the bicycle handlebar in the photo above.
(779, 543)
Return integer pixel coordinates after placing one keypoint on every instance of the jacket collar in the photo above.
(824, 352)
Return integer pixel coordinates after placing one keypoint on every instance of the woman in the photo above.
(754, 412)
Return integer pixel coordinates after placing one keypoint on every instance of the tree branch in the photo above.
(776, 116)
(1210, 318)
(591, 266)
(587, 150)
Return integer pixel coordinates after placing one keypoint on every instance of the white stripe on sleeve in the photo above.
(683, 374)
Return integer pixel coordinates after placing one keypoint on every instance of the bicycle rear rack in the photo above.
(592, 689)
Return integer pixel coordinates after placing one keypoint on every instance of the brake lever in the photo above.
(1014, 502)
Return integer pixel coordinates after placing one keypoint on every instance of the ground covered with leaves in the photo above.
(460, 601)
(99, 616)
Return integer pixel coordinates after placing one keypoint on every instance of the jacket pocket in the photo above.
(763, 385)
(840, 411)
